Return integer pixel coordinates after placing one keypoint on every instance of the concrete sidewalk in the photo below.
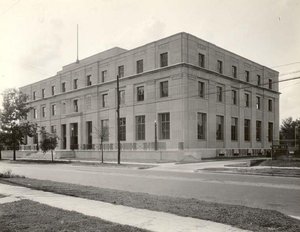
(141, 218)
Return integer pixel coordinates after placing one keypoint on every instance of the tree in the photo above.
(2, 142)
(48, 142)
(102, 134)
(13, 117)
(290, 131)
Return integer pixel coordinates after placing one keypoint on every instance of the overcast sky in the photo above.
(38, 37)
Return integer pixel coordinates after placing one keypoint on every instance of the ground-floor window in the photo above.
(234, 129)
(201, 125)
(270, 131)
(164, 125)
(140, 127)
(104, 133)
(247, 129)
(220, 127)
(122, 129)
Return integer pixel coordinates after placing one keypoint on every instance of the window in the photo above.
(105, 130)
(201, 125)
(53, 90)
(89, 134)
(234, 129)
(122, 129)
(139, 66)
(53, 129)
(164, 125)
(75, 105)
(270, 84)
(219, 94)
(122, 97)
(164, 90)
(63, 108)
(43, 111)
(258, 130)
(140, 93)
(63, 87)
(201, 58)
(234, 71)
(247, 100)
(258, 80)
(247, 76)
(75, 82)
(164, 59)
(104, 100)
(53, 109)
(270, 105)
(104, 76)
(121, 71)
(220, 66)
(220, 127)
(258, 106)
(140, 127)
(201, 89)
(270, 131)
(88, 80)
(34, 95)
(247, 129)
(43, 93)
(234, 97)
(34, 113)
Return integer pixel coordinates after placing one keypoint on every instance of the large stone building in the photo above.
(201, 100)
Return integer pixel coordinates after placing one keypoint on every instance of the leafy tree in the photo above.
(290, 129)
(48, 142)
(13, 117)
(102, 134)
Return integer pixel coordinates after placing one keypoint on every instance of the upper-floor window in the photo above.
(34, 113)
(121, 71)
(201, 60)
(53, 129)
(164, 89)
(75, 105)
(88, 80)
(258, 105)
(270, 83)
(75, 83)
(247, 100)
(247, 76)
(53, 109)
(122, 97)
(234, 97)
(258, 80)
(201, 89)
(219, 94)
(234, 71)
(43, 93)
(53, 90)
(34, 95)
(220, 66)
(43, 111)
(139, 66)
(104, 100)
(270, 105)
(104, 76)
(140, 93)
(63, 87)
(164, 59)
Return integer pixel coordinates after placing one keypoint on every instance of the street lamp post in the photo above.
(155, 135)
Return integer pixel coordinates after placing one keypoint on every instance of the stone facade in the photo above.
(197, 94)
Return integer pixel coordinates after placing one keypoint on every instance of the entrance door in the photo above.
(74, 136)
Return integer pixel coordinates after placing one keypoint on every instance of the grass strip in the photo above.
(281, 163)
(243, 217)
(31, 216)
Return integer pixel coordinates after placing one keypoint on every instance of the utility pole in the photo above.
(118, 120)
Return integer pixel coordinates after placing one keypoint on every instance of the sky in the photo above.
(38, 37)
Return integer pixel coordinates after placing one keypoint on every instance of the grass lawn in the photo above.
(30, 216)
(281, 163)
(239, 216)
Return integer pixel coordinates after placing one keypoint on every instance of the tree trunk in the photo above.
(14, 155)
(101, 151)
(52, 155)
(0, 155)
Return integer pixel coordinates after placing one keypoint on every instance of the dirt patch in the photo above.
(238, 216)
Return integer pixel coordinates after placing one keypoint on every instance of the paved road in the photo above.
(279, 193)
